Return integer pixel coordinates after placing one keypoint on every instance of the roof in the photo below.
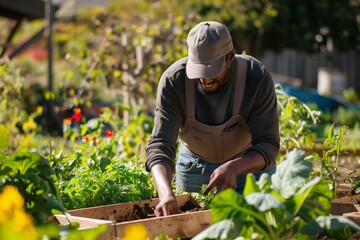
(35, 9)
(25, 9)
(19, 10)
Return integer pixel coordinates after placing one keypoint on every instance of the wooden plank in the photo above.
(89, 223)
(182, 225)
(343, 189)
(353, 216)
(342, 208)
(85, 223)
(185, 225)
(345, 205)
(122, 211)
(354, 199)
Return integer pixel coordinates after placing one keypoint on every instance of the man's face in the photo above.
(212, 85)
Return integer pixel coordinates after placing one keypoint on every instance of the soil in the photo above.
(146, 211)
(355, 236)
(189, 206)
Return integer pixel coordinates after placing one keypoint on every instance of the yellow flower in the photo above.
(10, 200)
(136, 231)
(13, 218)
(29, 125)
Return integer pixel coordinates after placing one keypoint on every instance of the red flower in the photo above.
(109, 133)
(87, 138)
(77, 115)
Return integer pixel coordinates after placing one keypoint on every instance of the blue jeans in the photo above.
(192, 172)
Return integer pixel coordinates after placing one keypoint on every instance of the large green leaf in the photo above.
(314, 199)
(225, 229)
(264, 201)
(291, 173)
(228, 204)
(250, 185)
(25, 161)
(264, 182)
(334, 227)
(33, 176)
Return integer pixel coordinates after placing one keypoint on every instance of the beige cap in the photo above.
(208, 44)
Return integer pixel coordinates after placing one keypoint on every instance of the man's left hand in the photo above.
(222, 178)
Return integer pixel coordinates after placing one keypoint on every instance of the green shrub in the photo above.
(346, 116)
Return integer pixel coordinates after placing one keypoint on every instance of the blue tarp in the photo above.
(324, 103)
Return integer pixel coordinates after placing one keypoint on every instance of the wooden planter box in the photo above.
(347, 206)
(118, 216)
(353, 216)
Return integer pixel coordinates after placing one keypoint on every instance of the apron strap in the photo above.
(240, 84)
(189, 98)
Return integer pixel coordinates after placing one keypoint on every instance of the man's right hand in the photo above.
(162, 176)
(167, 206)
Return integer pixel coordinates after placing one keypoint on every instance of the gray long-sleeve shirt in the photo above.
(259, 110)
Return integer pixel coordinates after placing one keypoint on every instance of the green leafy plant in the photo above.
(356, 184)
(103, 166)
(286, 206)
(204, 200)
(346, 116)
(118, 183)
(350, 95)
(295, 121)
(330, 159)
(32, 175)
(135, 135)
(329, 166)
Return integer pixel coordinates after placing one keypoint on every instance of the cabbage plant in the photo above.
(287, 205)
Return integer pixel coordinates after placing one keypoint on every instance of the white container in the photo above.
(331, 81)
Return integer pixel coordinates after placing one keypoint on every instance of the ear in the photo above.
(232, 55)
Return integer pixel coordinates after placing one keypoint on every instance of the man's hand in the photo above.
(222, 178)
(167, 206)
(225, 176)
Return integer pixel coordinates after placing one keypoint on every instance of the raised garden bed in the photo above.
(117, 216)
(348, 206)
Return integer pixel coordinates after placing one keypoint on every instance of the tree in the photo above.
(314, 26)
(305, 25)
(128, 45)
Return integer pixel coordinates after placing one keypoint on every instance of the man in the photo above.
(222, 106)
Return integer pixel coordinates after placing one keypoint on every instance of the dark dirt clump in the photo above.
(189, 206)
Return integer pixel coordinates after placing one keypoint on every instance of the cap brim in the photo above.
(204, 70)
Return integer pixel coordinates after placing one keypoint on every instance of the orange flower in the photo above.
(90, 138)
(109, 133)
(67, 121)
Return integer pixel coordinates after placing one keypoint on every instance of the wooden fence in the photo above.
(305, 67)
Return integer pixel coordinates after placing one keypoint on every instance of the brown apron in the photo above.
(216, 144)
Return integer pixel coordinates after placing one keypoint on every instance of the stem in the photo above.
(335, 172)
(268, 232)
(310, 113)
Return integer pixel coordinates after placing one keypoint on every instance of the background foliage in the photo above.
(116, 54)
